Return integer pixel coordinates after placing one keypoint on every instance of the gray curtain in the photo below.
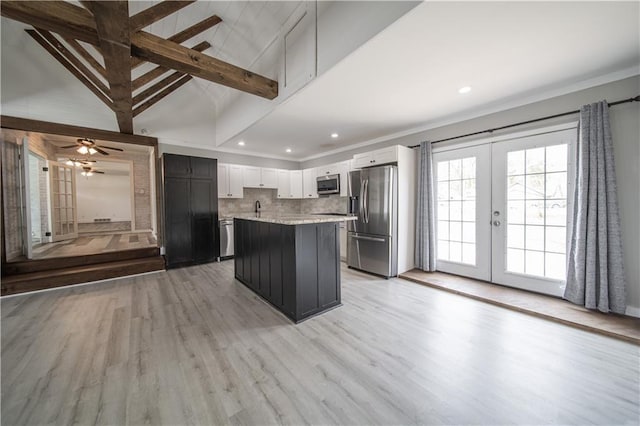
(595, 276)
(425, 255)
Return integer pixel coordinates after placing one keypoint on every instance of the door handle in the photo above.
(496, 223)
(366, 200)
(358, 237)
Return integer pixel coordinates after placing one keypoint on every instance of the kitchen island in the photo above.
(292, 261)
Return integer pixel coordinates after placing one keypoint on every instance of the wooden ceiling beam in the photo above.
(9, 122)
(155, 13)
(60, 17)
(65, 63)
(156, 87)
(86, 56)
(112, 24)
(161, 95)
(75, 61)
(175, 56)
(186, 34)
(158, 71)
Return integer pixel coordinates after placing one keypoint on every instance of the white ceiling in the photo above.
(408, 75)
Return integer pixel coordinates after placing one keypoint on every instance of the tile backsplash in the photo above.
(329, 204)
(270, 202)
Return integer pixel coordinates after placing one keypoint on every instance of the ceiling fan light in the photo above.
(92, 151)
(89, 174)
(83, 173)
(77, 164)
(69, 163)
(83, 150)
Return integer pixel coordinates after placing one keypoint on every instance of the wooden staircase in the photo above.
(30, 275)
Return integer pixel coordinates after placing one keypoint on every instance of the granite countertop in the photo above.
(289, 218)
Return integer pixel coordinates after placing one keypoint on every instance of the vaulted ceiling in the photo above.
(405, 77)
(119, 43)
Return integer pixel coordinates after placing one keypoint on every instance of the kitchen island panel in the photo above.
(275, 265)
(288, 270)
(307, 268)
(329, 272)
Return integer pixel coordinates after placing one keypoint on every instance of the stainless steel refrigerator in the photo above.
(372, 239)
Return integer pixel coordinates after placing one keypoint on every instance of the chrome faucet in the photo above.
(257, 206)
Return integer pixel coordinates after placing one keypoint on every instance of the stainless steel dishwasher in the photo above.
(226, 239)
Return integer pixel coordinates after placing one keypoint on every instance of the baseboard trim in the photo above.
(633, 311)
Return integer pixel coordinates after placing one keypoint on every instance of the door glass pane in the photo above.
(537, 211)
(457, 210)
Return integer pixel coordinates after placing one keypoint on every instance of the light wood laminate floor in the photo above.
(193, 346)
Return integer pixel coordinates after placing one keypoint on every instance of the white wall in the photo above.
(103, 196)
(625, 126)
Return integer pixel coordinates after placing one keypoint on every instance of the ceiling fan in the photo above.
(89, 146)
(79, 162)
(89, 171)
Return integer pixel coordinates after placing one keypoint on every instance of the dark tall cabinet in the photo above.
(190, 210)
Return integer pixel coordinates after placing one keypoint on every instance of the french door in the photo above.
(63, 201)
(463, 188)
(503, 210)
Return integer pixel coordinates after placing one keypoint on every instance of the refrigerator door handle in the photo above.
(366, 201)
(360, 237)
(361, 203)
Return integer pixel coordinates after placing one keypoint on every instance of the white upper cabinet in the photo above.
(343, 169)
(375, 158)
(230, 183)
(251, 177)
(329, 169)
(290, 184)
(284, 183)
(256, 177)
(309, 183)
(269, 178)
(236, 188)
(296, 183)
(223, 180)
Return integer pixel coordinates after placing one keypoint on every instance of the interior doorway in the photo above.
(63, 200)
(504, 210)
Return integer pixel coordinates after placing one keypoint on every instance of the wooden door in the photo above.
(176, 166)
(204, 227)
(178, 242)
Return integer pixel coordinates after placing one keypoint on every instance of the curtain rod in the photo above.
(535, 120)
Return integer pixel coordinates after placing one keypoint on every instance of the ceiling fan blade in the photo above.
(68, 146)
(115, 149)
(100, 151)
(97, 171)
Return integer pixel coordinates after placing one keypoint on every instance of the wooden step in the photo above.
(28, 266)
(40, 280)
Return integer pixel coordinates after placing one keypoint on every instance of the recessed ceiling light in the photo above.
(465, 89)
(288, 150)
(334, 135)
(241, 143)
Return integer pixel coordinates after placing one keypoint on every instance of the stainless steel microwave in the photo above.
(329, 184)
